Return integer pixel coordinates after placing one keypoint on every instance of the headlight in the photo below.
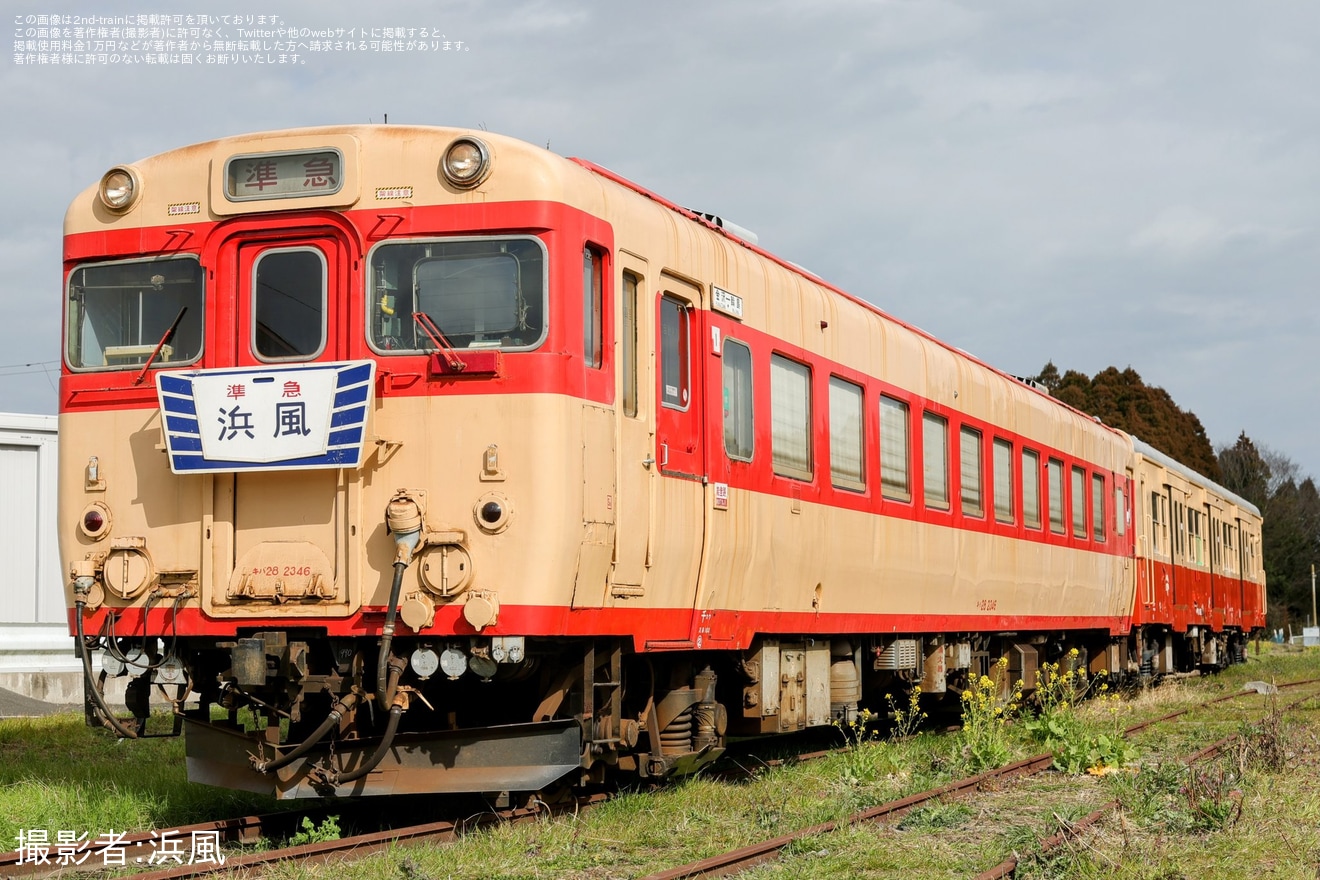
(119, 188)
(466, 162)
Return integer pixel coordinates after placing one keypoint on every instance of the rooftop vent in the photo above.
(1032, 383)
(732, 228)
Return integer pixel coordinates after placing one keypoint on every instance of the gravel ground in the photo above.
(14, 705)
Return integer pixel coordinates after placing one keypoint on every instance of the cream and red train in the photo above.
(467, 467)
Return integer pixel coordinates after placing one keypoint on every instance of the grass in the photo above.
(1254, 813)
(58, 774)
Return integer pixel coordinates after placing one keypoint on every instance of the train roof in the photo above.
(751, 245)
(1192, 476)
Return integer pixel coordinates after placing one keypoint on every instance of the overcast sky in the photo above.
(1097, 183)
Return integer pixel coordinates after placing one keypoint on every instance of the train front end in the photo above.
(325, 401)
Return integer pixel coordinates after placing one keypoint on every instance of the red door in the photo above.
(679, 438)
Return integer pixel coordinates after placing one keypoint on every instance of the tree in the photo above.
(1121, 399)
(1290, 506)
(1243, 470)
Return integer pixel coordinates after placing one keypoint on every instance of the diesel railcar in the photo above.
(410, 459)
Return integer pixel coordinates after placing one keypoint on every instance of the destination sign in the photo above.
(266, 418)
(283, 175)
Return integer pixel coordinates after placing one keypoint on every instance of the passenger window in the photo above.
(935, 460)
(1030, 489)
(674, 390)
(737, 400)
(288, 304)
(846, 441)
(1098, 506)
(629, 346)
(790, 417)
(969, 471)
(1078, 502)
(592, 306)
(1054, 486)
(1003, 477)
(894, 449)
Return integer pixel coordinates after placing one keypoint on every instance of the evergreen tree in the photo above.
(1290, 505)
(1124, 401)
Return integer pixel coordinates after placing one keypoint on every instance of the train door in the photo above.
(281, 537)
(679, 453)
(634, 460)
(1223, 607)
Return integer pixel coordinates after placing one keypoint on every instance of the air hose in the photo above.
(337, 713)
(98, 699)
(387, 740)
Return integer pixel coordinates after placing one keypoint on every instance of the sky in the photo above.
(1094, 183)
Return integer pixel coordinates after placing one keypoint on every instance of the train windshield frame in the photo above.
(119, 311)
(487, 292)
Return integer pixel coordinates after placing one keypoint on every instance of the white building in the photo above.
(36, 650)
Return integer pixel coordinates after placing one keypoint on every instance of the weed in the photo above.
(906, 721)
(938, 815)
(985, 717)
(1264, 746)
(865, 753)
(1213, 799)
(328, 830)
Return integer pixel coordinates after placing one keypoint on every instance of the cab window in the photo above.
(118, 313)
(480, 293)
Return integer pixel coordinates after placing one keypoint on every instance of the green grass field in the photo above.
(1254, 813)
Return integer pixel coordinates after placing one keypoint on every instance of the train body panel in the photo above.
(541, 464)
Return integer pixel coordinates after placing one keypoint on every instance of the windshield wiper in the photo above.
(164, 341)
(438, 339)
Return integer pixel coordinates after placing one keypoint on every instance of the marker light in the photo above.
(492, 512)
(95, 521)
(119, 189)
(466, 162)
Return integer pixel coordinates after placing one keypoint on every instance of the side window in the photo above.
(288, 304)
(1098, 506)
(1120, 512)
(969, 472)
(1031, 489)
(593, 304)
(935, 460)
(629, 347)
(1003, 477)
(1054, 486)
(894, 449)
(1078, 500)
(737, 382)
(846, 442)
(1155, 522)
(1179, 531)
(790, 417)
(1198, 544)
(674, 357)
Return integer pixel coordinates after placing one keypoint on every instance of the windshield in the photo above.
(119, 312)
(481, 293)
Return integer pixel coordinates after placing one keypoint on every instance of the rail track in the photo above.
(145, 848)
(746, 857)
